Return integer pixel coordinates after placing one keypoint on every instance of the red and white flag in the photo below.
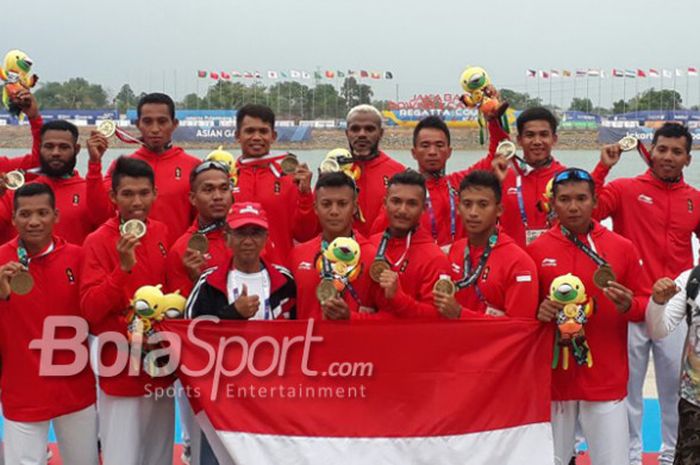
(692, 71)
(404, 392)
(654, 73)
(531, 73)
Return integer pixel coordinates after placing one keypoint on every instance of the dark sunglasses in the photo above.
(572, 174)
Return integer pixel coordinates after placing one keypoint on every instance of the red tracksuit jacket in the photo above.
(30, 160)
(307, 277)
(172, 169)
(218, 255)
(508, 283)
(374, 176)
(290, 213)
(658, 217)
(439, 217)
(82, 203)
(606, 330)
(106, 290)
(26, 396)
(422, 266)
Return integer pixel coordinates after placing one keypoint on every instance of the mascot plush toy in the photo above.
(149, 305)
(545, 203)
(222, 156)
(480, 94)
(570, 291)
(341, 160)
(343, 254)
(16, 74)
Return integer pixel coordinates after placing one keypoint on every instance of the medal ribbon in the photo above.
(470, 277)
(589, 251)
(521, 200)
(381, 251)
(270, 160)
(211, 227)
(23, 255)
(643, 152)
(126, 137)
(431, 213)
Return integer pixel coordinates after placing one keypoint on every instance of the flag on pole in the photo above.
(593, 72)
(566, 73)
(330, 74)
(202, 74)
(305, 75)
(544, 74)
(641, 73)
(456, 396)
(692, 71)
(388, 75)
(248, 75)
(364, 74)
(581, 72)
(317, 75)
(272, 75)
(236, 74)
(654, 73)
(554, 73)
(225, 75)
(258, 75)
(531, 73)
(214, 75)
(351, 72)
(295, 74)
(630, 73)
(679, 72)
(618, 73)
(284, 74)
(340, 74)
(667, 73)
(375, 75)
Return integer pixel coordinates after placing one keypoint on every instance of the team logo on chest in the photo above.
(76, 199)
(162, 249)
(690, 205)
(485, 274)
(178, 173)
(404, 265)
(645, 199)
(278, 188)
(70, 276)
(386, 181)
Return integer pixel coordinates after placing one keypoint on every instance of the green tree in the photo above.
(125, 99)
(76, 93)
(581, 104)
(354, 93)
(519, 100)
(650, 99)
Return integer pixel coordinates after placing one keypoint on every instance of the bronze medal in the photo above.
(289, 164)
(198, 242)
(15, 180)
(602, 275)
(107, 128)
(446, 286)
(22, 283)
(506, 149)
(628, 143)
(326, 290)
(134, 227)
(376, 269)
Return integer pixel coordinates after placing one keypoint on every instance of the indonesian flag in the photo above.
(225, 75)
(214, 75)
(654, 73)
(201, 74)
(692, 71)
(641, 73)
(389, 392)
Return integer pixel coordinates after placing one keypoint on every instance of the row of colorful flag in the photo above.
(295, 74)
(619, 73)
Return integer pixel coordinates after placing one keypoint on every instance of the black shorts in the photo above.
(688, 444)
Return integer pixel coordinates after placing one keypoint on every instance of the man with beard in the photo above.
(82, 202)
(658, 211)
(364, 132)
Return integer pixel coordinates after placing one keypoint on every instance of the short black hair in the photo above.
(431, 122)
(535, 114)
(674, 130)
(207, 165)
(254, 110)
(133, 168)
(60, 125)
(156, 97)
(34, 189)
(482, 178)
(573, 178)
(335, 179)
(409, 177)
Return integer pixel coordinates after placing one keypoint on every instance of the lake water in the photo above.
(630, 164)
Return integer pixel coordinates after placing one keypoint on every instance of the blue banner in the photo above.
(221, 134)
(194, 115)
(611, 135)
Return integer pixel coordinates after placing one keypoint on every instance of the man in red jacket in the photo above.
(658, 211)
(203, 246)
(136, 425)
(408, 261)
(524, 184)
(82, 202)
(431, 150)
(335, 205)
(157, 123)
(287, 199)
(500, 278)
(38, 280)
(590, 387)
(364, 132)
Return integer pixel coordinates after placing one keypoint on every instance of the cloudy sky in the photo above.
(160, 45)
